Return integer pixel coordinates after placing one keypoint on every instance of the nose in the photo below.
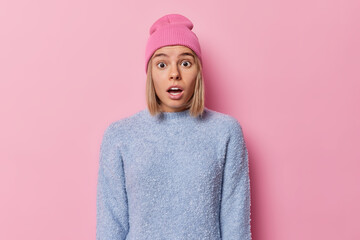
(175, 74)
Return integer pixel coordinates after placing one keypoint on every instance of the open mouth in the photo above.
(175, 91)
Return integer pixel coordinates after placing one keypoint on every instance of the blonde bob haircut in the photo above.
(196, 103)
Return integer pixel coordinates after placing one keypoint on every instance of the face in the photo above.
(174, 66)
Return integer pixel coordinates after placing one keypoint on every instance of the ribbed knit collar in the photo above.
(170, 116)
(175, 115)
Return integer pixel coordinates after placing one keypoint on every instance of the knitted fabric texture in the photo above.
(171, 29)
(173, 176)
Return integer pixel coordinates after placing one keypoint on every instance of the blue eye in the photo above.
(188, 63)
(162, 64)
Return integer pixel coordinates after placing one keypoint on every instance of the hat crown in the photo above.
(171, 20)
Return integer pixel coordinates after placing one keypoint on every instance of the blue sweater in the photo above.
(173, 176)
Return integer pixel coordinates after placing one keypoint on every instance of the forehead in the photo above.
(173, 49)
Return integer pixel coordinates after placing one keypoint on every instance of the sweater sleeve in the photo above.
(235, 199)
(111, 200)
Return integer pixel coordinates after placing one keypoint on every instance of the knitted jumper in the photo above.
(173, 176)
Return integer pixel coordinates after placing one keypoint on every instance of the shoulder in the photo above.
(123, 125)
(225, 121)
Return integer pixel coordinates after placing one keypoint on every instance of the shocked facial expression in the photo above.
(174, 73)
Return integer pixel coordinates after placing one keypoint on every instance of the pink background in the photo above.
(287, 70)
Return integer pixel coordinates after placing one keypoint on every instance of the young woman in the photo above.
(175, 170)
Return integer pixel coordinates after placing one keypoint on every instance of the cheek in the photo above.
(157, 76)
(192, 76)
(158, 85)
(192, 73)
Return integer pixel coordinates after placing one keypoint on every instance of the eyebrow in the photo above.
(182, 54)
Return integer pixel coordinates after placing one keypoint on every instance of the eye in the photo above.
(161, 65)
(188, 63)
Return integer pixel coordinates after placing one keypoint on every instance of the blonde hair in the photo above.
(197, 101)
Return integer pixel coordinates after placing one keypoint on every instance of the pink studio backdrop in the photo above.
(287, 70)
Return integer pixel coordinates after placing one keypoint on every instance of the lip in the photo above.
(177, 86)
(175, 97)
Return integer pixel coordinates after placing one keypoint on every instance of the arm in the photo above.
(235, 199)
(111, 200)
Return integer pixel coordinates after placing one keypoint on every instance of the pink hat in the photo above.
(171, 29)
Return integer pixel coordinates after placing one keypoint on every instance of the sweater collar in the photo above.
(175, 115)
(170, 116)
(164, 117)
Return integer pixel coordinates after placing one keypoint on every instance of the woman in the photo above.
(175, 170)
